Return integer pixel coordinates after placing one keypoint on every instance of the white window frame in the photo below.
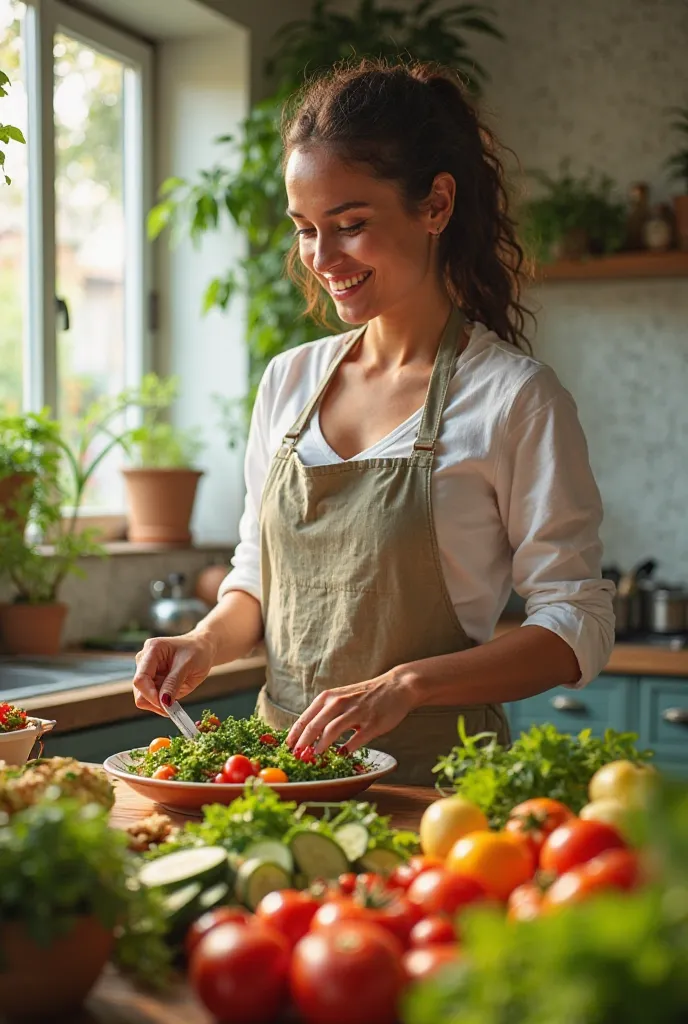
(44, 19)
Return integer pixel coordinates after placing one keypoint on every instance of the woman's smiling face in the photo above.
(357, 236)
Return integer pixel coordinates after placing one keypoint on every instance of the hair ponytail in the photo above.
(410, 123)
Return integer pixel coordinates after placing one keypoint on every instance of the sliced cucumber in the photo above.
(381, 861)
(206, 865)
(181, 907)
(318, 856)
(215, 896)
(272, 851)
(353, 839)
(256, 878)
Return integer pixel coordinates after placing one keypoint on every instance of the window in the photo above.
(73, 272)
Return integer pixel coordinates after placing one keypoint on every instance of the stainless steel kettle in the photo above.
(170, 613)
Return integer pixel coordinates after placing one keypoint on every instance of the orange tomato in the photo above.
(165, 772)
(159, 743)
(273, 775)
(499, 861)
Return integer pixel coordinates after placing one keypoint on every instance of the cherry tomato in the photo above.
(307, 755)
(535, 819)
(237, 768)
(268, 740)
(613, 869)
(289, 911)
(346, 883)
(576, 842)
(273, 775)
(499, 861)
(240, 972)
(402, 876)
(525, 902)
(159, 743)
(210, 920)
(165, 772)
(428, 960)
(395, 914)
(347, 975)
(220, 778)
(433, 931)
(443, 892)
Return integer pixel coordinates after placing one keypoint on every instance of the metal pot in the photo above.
(170, 613)
(665, 608)
(628, 602)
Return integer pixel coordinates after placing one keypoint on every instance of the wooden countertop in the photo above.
(116, 1001)
(112, 702)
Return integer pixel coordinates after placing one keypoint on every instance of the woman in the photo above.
(402, 475)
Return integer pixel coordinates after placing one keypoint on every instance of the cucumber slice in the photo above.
(256, 878)
(181, 907)
(206, 865)
(272, 851)
(381, 861)
(318, 856)
(215, 896)
(353, 839)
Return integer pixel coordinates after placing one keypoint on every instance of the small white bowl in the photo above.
(16, 746)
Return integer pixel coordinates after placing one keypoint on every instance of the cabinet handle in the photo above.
(561, 703)
(677, 716)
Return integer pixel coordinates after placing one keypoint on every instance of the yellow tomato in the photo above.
(629, 783)
(609, 810)
(159, 743)
(499, 861)
(445, 821)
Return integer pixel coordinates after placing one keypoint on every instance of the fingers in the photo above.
(173, 686)
(324, 721)
(333, 731)
(145, 705)
(150, 670)
(303, 720)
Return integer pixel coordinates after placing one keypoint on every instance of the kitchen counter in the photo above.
(112, 702)
(116, 1001)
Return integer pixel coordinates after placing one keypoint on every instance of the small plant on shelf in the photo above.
(677, 166)
(575, 217)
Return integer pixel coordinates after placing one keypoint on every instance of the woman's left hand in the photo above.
(370, 708)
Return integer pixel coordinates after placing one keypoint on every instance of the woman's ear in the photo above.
(439, 205)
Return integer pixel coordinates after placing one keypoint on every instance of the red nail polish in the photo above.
(166, 699)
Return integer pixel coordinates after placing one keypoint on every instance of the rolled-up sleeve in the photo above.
(245, 572)
(552, 511)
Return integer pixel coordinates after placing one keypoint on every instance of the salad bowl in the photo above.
(190, 797)
(15, 746)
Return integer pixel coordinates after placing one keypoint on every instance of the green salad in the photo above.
(238, 748)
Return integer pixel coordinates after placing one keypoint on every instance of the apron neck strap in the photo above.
(439, 383)
(437, 389)
(293, 435)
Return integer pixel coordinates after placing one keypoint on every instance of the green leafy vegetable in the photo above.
(541, 762)
(200, 760)
(59, 860)
(381, 835)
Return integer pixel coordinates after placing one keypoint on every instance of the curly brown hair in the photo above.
(408, 123)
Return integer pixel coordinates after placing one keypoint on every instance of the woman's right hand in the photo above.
(170, 667)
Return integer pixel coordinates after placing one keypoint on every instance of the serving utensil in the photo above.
(182, 720)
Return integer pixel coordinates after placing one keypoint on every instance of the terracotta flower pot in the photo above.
(47, 983)
(10, 488)
(681, 216)
(31, 628)
(160, 504)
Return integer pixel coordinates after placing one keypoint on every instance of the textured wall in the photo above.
(592, 80)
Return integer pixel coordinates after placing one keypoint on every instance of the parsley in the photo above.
(12, 717)
(541, 762)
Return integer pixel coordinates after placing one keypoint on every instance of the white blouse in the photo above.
(514, 498)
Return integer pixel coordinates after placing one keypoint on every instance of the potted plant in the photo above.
(161, 485)
(69, 900)
(575, 217)
(677, 165)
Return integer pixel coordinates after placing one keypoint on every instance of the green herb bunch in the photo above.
(201, 759)
(60, 860)
(541, 762)
(618, 958)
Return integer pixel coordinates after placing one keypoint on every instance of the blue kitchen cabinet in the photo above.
(663, 723)
(608, 701)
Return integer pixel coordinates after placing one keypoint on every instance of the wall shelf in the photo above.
(617, 267)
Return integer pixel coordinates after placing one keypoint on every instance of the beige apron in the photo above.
(352, 584)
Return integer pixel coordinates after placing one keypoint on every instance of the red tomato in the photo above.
(220, 778)
(613, 869)
(347, 883)
(535, 819)
(402, 876)
(433, 931)
(307, 755)
(525, 902)
(238, 768)
(443, 892)
(347, 975)
(165, 772)
(395, 914)
(241, 972)
(422, 963)
(213, 918)
(576, 842)
(268, 740)
(289, 911)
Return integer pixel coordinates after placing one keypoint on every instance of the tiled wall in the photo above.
(592, 80)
